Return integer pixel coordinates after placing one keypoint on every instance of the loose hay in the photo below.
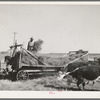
(44, 84)
(41, 84)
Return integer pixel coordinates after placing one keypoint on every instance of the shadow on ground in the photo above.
(69, 88)
(58, 88)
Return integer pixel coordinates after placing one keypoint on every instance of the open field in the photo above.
(45, 84)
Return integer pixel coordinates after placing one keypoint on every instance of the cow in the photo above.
(88, 71)
(73, 66)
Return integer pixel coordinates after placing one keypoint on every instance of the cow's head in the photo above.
(62, 74)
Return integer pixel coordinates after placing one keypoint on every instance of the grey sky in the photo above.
(61, 27)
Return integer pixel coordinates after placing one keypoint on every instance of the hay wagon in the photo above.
(25, 64)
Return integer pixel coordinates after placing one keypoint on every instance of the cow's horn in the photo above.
(67, 73)
(76, 69)
(71, 72)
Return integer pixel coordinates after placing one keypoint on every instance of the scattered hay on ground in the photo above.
(40, 84)
(44, 84)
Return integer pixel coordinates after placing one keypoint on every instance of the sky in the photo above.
(63, 28)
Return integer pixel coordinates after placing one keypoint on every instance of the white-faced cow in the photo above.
(88, 71)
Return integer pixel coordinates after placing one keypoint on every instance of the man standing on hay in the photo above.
(30, 44)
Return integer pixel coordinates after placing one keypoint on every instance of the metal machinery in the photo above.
(22, 67)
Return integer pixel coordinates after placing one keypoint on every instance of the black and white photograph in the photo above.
(50, 47)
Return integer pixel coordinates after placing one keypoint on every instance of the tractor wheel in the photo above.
(22, 75)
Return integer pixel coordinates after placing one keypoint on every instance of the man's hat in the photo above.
(31, 38)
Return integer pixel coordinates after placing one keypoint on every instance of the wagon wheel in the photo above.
(22, 75)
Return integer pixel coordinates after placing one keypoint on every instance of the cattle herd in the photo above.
(82, 71)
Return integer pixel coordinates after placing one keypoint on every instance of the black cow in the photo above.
(85, 72)
(88, 71)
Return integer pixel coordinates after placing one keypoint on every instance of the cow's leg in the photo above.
(93, 83)
(87, 82)
(83, 84)
(80, 81)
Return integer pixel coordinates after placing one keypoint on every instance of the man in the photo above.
(30, 44)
